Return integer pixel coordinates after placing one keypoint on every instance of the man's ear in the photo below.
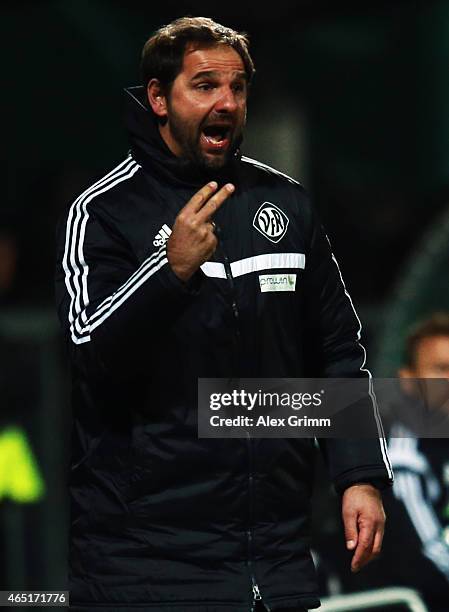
(407, 383)
(156, 98)
(406, 372)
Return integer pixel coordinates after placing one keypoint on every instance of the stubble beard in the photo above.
(189, 143)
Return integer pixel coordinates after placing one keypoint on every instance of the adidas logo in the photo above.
(162, 236)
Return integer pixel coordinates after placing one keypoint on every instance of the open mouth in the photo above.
(216, 136)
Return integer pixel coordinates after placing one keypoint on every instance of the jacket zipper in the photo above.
(235, 310)
(255, 587)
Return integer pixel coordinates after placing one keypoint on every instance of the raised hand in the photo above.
(193, 240)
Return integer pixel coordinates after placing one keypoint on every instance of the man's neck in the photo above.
(171, 143)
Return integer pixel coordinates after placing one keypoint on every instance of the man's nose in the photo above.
(226, 101)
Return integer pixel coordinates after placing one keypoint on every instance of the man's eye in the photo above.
(238, 87)
(204, 86)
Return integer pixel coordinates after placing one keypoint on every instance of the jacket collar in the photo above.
(150, 150)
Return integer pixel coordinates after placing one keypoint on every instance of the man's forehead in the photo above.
(218, 58)
(436, 347)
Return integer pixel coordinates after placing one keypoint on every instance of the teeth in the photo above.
(214, 139)
(216, 136)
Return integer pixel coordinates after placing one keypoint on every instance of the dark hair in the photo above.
(163, 53)
(436, 325)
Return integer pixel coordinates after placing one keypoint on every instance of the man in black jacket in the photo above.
(418, 504)
(159, 283)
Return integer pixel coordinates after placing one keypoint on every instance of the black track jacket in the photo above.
(160, 519)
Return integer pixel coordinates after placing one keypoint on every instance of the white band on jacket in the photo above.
(268, 261)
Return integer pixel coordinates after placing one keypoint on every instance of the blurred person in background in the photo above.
(157, 285)
(20, 480)
(418, 508)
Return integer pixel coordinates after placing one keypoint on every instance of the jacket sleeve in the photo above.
(335, 351)
(412, 472)
(112, 307)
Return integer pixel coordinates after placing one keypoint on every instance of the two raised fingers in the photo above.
(214, 203)
(204, 204)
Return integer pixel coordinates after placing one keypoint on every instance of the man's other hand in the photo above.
(364, 523)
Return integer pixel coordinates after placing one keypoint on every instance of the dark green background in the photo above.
(368, 85)
(353, 100)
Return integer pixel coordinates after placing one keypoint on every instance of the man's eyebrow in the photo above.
(211, 74)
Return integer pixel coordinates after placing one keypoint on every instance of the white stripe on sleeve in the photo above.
(77, 270)
(382, 440)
